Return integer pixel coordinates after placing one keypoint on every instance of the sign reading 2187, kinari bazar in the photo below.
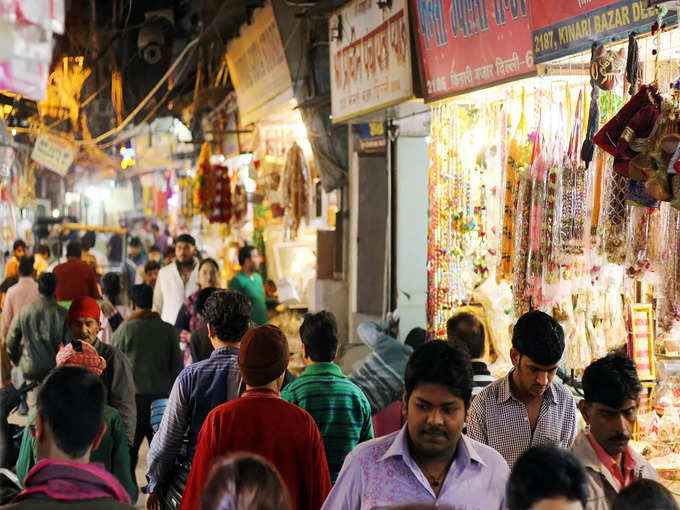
(468, 44)
(565, 27)
(370, 58)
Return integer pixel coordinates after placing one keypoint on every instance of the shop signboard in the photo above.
(470, 44)
(570, 26)
(53, 152)
(370, 50)
(372, 137)
(258, 66)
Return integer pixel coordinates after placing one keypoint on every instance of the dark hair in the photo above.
(245, 482)
(74, 249)
(228, 314)
(546, 472)
(202, 297)
(154, 227)
(26, 266)
(154, 247)
(71, 400)
(111, 284)
(185, 238)
(611, 380)
(244, 254)
(88, 240)
(440, 363)
(47, 284)
(169, 252)
(142, 296)
(467, 329)
(135, 242)
(416, 337)
(319, 335)
(151, 265)
(645, 494)
(115, 248)
(209, 260)
(43, 249)
(8, 282)
(540, 337)
(19, 243)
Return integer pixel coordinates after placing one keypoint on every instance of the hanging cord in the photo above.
(144, 101)
(633, 64)
(588, 148)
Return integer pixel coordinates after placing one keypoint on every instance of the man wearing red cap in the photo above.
(261, 422)
(83, 321)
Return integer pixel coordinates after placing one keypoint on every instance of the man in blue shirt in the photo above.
(202, 386)
(430, 460)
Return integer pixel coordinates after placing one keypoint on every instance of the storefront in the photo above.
(372, 90)
(527, 212)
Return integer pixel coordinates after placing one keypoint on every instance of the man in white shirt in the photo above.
(177, 281)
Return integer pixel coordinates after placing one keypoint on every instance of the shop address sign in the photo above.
(468, 44)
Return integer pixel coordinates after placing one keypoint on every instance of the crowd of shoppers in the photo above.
(239, 431)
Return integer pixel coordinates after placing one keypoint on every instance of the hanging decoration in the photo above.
(221, 203)
(297, 184)
(202, 181)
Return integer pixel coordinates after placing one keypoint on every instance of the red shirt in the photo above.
(75, 278)
(623, 478)
(261, 422)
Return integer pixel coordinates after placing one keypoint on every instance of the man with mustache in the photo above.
(611, 398)
(527, 408)
(177, 281)
(430, 460)
(83, 323)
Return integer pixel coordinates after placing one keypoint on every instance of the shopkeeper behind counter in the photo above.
(249, 282)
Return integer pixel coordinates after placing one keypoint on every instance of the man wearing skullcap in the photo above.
(112, 452)
(152, 347)
(35, 334)
(261, 422)
(83, 321)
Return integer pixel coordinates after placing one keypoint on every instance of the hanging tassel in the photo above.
(588, 148)
(632, 64)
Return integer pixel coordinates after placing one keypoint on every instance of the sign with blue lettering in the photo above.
(571, 26)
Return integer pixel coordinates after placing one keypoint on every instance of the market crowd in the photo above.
(198, 372)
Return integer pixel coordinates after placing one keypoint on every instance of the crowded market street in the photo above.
(340, 254)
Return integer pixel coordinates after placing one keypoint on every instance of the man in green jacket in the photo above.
(36, 331)
(69, 424)
(113, 451)
(249, 282)
(152, 347)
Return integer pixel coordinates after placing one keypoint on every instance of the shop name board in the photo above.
(370, 58)
(53, 152)
(257, 64)
(567, 27)
(468, 44)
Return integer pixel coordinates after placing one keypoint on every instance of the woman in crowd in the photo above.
(188, 319)
(245, 482)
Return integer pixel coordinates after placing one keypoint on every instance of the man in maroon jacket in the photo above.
(261, 422)
(75, 278)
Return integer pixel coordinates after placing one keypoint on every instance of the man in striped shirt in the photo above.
(466, 330)
(338, 406)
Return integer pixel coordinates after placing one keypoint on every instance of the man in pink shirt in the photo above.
(23, 292)
(611, 398)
